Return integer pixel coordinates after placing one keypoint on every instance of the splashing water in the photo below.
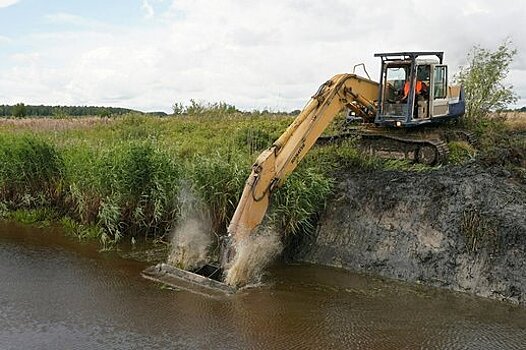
(253, 254)
(190, 243)
(191, 238)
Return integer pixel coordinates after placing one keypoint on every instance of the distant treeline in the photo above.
(21, 110)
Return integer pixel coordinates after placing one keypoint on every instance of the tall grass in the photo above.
(129, 188)
(123, 178)
(31, 171)
(218, 180)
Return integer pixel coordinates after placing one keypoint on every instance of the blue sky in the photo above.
(148, 54)
(29, 16)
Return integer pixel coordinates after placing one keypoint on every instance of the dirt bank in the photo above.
(460, 228)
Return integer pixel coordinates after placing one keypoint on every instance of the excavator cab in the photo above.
(413, 90)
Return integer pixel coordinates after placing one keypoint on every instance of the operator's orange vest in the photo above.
(419, 87)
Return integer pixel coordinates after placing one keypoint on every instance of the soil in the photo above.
(461, 228)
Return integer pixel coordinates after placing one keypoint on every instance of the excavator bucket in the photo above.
(205, 280)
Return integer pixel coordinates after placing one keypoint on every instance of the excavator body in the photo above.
(412, 92)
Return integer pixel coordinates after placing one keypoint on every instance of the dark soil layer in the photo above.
(459, 228)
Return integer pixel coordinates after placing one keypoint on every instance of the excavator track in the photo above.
(422, 151)
(413, 148)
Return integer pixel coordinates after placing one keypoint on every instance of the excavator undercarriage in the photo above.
(423, 146)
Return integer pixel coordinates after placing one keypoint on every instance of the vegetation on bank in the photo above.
(499, 134)
(124, 178)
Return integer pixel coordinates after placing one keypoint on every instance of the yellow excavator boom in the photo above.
(274, 165)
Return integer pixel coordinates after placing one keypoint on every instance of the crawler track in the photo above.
(423, 151)
(416, 148)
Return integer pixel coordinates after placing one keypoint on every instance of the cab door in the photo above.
(439, 91)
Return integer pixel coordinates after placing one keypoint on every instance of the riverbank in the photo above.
(460, 228)
(130, 177)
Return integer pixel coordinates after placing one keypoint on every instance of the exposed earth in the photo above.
(462, 228)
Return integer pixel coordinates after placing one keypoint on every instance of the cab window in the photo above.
(440, 82)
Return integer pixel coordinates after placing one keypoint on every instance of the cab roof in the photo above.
(412, 56)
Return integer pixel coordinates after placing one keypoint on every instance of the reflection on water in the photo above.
(59, 294)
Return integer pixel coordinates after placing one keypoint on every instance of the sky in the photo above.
(272, 54)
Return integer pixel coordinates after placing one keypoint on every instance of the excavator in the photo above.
(412, 95)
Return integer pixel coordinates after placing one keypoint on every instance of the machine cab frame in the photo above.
(414, 90)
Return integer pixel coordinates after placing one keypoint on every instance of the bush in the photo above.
(203, 109)
(19, 110)
(483, 80)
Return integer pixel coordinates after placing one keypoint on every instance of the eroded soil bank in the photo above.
(460, 228)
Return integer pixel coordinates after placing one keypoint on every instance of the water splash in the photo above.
(253, 254)
(191, 238)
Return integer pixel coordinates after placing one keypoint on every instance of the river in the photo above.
(57, 293)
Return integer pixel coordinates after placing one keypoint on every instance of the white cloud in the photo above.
(4, 40)
(148, 9)
(271, 54)
(473, 8)
(6, 3)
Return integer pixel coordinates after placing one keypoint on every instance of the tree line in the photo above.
(21, 110)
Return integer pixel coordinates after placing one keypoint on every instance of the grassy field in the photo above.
(122, 178)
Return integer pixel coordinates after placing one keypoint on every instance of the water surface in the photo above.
(56, 293)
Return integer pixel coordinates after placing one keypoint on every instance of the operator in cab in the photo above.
(421, 87)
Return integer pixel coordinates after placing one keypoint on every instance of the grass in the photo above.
(461, 152)
(514, 121)
(122, 178)
(109, 179)
(502, 142)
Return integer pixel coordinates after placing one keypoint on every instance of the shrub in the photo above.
(483, 80)
(19, 110)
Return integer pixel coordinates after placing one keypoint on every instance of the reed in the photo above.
(31, 171)
(123, 179)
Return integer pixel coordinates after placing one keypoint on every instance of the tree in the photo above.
(59, 112)
(19, 110)
(483, 80)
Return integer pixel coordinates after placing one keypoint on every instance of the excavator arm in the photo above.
(274, 165)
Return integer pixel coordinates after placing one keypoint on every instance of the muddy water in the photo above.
(59, 294)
